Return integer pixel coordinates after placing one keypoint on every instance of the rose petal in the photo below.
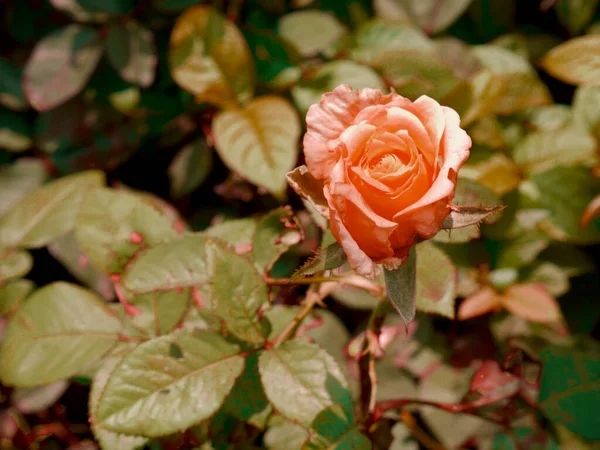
(354, 139)
(433, 118)
(482, 302)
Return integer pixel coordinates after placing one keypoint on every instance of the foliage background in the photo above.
(147, 93)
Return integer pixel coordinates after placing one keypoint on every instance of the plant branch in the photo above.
(314, 296)
(299, 281)
(465, 408)
(419, 434)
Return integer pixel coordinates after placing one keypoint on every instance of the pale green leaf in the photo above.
(19, 179)
(565, 147)
(555, 278)
(237, 232)
(400, 284)
(285, 435)
(160, 311)
(329, 76)
(576, 61)
(58, 331)
(60, 66)
(113, 225)
(151, 393)
(79, 11)
(436, 281)
(12, 295)
(209, 57)
(300, 380)
(50, 211)
(501, 61)
(311, 31)
(260, 141)
(14, 264)
(549, 118)
(521, 251)
(432, 15)
(109, 440)
(402, 440)
(328, 258)
(234, 288)
(377, 37)
(130, 50)
(275, 234)
(37, 399)
(497, 172)
(586, 109)
(190, 167)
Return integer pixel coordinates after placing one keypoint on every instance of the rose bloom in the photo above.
(389, 168)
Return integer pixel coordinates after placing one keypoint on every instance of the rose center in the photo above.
(389, 163)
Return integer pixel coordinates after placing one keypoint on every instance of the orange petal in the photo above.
(531, 301)
(482, 302)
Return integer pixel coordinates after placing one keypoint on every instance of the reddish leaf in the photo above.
(482, 302)
(532, 302)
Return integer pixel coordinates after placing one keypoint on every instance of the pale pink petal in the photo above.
(358, 259)
(531, 301)
(455, 144)
(482, 302)
(354, 139)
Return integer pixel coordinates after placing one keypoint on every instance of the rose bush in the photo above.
(389, 168)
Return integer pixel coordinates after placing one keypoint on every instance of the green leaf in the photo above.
(152, 394)
(113, 225)
(234, 288)
(106, 438)
(576, 61)
(524, 437)
(247, 400)
(575, 14)
(328, 258)
(566, 192)
(311, 31)
(50, 211)
(130, 50)
(160, 311)
(209, 57)
(469, 193)
(11, 91)
(300, 380)
(37, 350)
(273, 55)
(260, 141)
(555, 278)
(570, 389)
(12, 295)
(334, 430)
(566, 147)
(67, 251)
(19, 179)
(285, 435)
(377, 37)
(60, 66)
(436, 281)
(274, 235)
(400, 284)
(14, 264)
(329, 76)
(15, 132)
(434, 16)
(190, 167)
(110, 6)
